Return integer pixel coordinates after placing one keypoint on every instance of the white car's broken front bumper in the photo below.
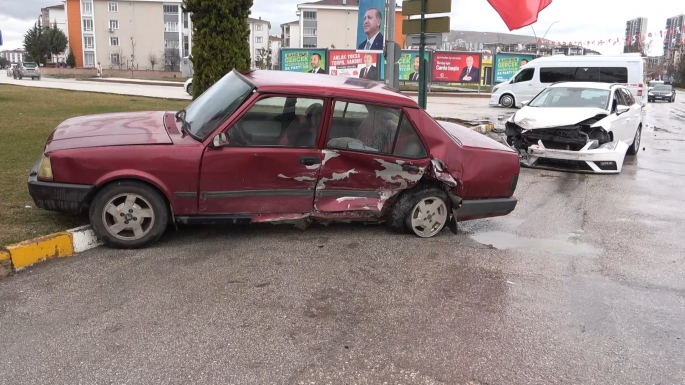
(605, 160)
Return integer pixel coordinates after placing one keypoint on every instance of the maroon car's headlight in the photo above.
(45, 169)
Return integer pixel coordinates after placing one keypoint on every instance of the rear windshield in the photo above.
(584, 74)
(662, 88)
(30, 65)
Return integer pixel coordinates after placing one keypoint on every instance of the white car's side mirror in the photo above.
(525, 102)
(622, 109)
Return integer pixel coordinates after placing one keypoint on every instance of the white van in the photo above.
(532, 78)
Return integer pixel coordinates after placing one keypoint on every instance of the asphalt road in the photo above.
(581, 284)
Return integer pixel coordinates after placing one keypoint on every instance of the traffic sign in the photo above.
(413, 7)
(432, 25)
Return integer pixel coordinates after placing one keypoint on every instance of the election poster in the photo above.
(353, 64)
(370, 26)
(507, 65)
(456, 67)
(409, 65)
(304, 60)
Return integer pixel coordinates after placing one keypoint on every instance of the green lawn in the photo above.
(27, 116)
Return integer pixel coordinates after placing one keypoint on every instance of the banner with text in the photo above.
(409, 65)
(456, 67)
(353, 64)
(507, 65)
(304, 60)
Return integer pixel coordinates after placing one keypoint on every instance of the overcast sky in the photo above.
(578, 19)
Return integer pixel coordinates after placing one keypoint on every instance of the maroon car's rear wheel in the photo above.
(422, 210)
(129, 215)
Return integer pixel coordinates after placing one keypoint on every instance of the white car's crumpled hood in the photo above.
(531, 118)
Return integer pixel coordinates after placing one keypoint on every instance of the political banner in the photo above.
(409, 65)
(304, 60)
(456, 67)
(353, 64)
(507, 65)
(370, 26)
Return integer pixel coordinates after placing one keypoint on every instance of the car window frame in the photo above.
(403, 114)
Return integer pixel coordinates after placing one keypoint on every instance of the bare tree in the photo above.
(152, 59)
(133, 54)
(117, 58)
(173, 58)
(263, 60)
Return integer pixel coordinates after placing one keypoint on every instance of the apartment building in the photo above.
(13, 55)
(124, 34)
(340, 20)
(634, 28)
(275, 46)
(290, 34)
(56, 15)
(259, 38)
(673, 33)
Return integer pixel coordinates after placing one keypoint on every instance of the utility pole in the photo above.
(390, 47)
(422, 64)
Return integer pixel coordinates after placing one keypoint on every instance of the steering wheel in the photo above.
(237, 135)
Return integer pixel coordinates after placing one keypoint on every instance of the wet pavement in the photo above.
(583, 283)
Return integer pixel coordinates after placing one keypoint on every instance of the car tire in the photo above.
(507, 101)
(405, 214)
(138, 206)
(635, 147)
(190, 89)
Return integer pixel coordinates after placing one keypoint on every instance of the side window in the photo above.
(613, 75)
(587, 74)
(618, 100)
(364, 127)
(525, 75)
(408, 144)
(628, 97)
(279, 122)
(557, 74)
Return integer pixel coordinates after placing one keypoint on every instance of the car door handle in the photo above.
(310, 160)
(408, 167)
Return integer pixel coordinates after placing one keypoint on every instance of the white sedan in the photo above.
(574, 126)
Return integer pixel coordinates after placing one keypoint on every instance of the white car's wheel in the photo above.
(635, 147)
(189, 90)
(507, 101)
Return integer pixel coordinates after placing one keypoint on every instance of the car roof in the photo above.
(327, 85)
(595, 85)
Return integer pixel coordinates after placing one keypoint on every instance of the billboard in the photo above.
(353, 64)
(304, 60)
(507, 65)
(370, 24)
(456, 67)
(409, 65)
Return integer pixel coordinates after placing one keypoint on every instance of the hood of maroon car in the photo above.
(118, 129)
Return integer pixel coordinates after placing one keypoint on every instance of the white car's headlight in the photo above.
(608, 146)
(45, 169)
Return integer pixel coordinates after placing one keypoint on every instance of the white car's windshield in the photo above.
(571, 97)
(215, 105)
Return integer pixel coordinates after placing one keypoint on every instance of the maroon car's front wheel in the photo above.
(128, 215)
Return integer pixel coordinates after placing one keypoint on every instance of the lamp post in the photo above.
(537, 50)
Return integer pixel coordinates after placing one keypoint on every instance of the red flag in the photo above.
(519, 13)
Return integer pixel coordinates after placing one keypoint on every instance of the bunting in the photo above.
(672, 35)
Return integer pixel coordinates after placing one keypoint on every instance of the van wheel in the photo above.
(507, 101)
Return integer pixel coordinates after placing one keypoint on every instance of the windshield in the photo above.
(567, 97)
(215, 105)
(655, 82)
(30, 65)
(662, 88)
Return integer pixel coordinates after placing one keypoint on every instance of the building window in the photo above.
(88, 25)
(171, 9)
(185, 20)
(88, 42)
(186, 46)
(258, 39)
(89, 59)
(258, 27)
(114, 24)
(309, 15)
(114, 58)
(87, 8)
(113, 7)
(309, 46)
(309, 32)
(171, 44)
(171, 26)
(114, 41)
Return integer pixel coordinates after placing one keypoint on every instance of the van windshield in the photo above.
(571, 97)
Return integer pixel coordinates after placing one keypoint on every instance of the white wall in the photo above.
(255, 36)
(275, 52)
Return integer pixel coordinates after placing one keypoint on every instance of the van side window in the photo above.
(613, 75)
(584, 74)
(557, 74)
(525, 75)
(587, 74)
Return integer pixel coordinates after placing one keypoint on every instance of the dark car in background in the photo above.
(263, 147)
(664, 92)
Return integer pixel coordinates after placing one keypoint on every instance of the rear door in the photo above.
(371, 153)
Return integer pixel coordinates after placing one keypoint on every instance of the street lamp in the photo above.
(537, 50)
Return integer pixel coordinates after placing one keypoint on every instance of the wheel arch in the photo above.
(147, 180)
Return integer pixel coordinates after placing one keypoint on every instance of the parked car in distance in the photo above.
(664, 92)
(26, 70)
(539, 73)
(188, 86)
(10, 69)
(263, 147)
(654, 83)
(584, 127)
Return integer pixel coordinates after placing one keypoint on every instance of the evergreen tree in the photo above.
(220, 39)
(55, 40)
(35, 43)
(71, 60)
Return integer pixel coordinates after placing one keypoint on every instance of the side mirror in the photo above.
(622, 109)
(220, 140)
(525, 102)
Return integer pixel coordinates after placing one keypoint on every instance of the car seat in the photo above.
(303, 133)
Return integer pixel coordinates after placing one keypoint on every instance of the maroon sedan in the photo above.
(270, 146)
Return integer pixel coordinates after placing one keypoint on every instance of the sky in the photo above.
(577, 19)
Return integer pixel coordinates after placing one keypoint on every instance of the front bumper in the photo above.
(62, 197)
(494, 100)
(600, 161)
(660, 97)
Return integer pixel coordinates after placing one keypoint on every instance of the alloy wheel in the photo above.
(428, 217)
(128, 217)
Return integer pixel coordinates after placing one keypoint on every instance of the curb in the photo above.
(16, 257)
(146, 83)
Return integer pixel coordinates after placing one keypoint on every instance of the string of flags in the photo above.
(663, 35)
